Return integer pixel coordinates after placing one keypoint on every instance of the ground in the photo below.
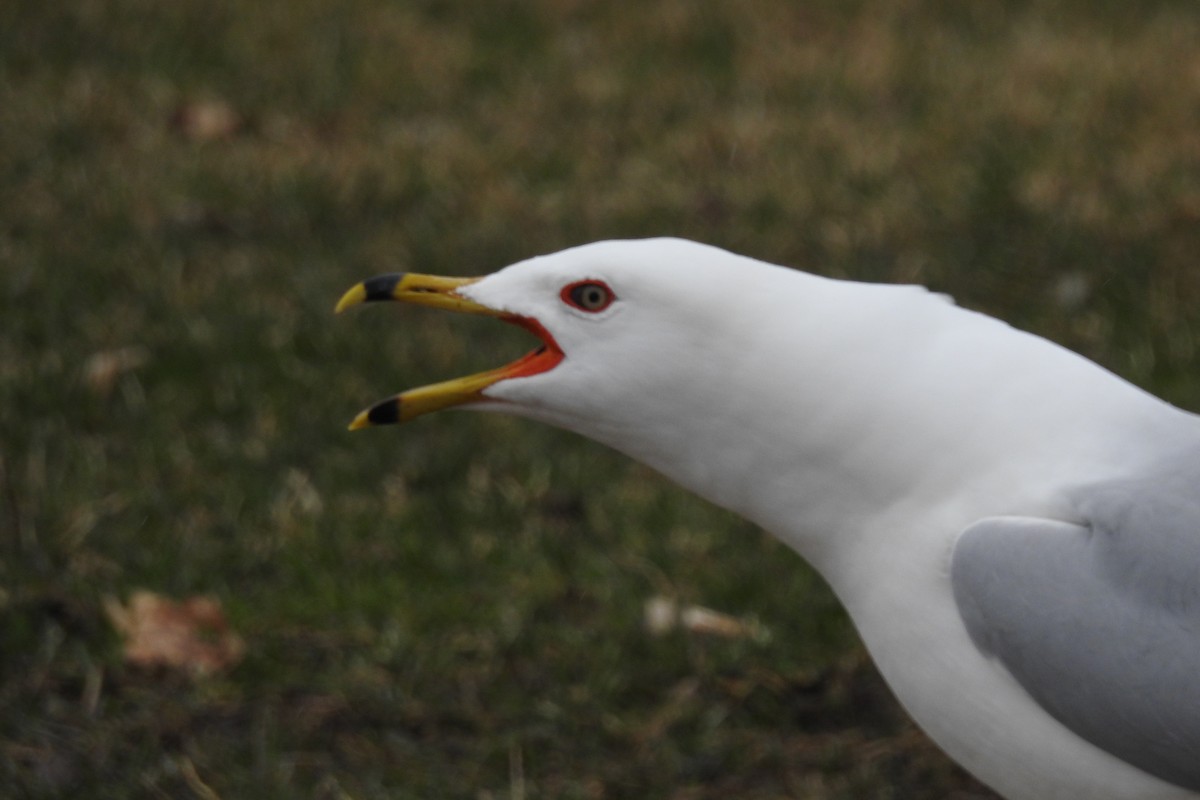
(454, 609)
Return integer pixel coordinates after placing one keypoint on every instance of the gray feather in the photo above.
(1100, 621)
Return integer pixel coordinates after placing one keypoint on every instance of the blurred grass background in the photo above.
(454, 609)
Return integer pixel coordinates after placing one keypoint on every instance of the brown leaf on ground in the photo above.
(207, 120)
(663, 614)
(192, 635)
(102, 369)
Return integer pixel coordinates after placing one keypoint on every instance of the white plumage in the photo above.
(1010, 526)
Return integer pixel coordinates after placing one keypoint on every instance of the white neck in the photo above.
(881, 397)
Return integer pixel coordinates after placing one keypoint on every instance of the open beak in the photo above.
(442, 292)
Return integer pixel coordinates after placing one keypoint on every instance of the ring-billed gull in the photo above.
(1014, 530)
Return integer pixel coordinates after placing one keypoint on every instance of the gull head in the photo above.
(754, 385)
(632, 335)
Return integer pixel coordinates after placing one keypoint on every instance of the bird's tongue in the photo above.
(543, 359)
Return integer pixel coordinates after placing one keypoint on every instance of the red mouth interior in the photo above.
(543, 359)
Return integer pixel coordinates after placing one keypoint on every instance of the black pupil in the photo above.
(590, 296)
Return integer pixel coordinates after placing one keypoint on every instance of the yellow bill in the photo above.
(442, 292)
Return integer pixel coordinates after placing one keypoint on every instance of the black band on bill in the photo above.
(381, 286)
(385, 412)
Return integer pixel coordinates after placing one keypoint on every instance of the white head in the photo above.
(741, 380)
(652, 333)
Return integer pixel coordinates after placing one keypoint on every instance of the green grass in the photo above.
(453, 609)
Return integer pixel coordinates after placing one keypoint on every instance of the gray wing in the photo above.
(1100, 621)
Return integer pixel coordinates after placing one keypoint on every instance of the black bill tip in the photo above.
(382, 287)
(385, 412)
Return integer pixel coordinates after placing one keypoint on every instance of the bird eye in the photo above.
(589, 296)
